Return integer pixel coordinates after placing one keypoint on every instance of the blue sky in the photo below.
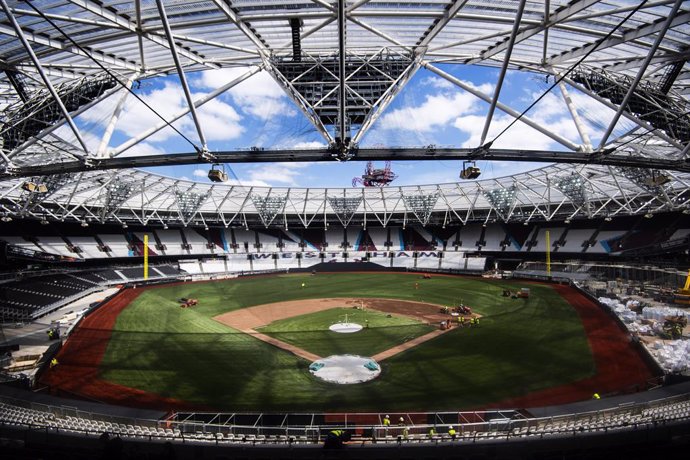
(429, 110)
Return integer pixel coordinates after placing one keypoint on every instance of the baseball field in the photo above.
(248, 344)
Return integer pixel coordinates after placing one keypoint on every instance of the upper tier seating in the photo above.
(379, 237)
(171, 242)
(197, 243)
(245, 240)
(469, 236)
(334, 238)
(494, 235)
(268, 241)
(88, 247)
(117, 243)
(597, 237)
(55, 245)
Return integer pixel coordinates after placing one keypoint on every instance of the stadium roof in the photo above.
(630, 56)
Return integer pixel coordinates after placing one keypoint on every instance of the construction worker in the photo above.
(404, 433)
(452, 432)
(335, 439)
(432, 431)
(387, 420)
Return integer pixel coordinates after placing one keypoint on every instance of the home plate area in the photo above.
(345, 369)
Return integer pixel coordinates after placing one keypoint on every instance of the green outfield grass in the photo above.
(310, 332)
(521, 346)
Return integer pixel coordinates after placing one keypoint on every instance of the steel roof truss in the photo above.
(630, 35)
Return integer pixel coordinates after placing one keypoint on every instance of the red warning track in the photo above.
(80, 357)
(619, 364)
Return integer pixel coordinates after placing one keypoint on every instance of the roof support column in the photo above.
(107, 135)
(586, 141)
(504, 68)
(640, 72)
(545, 45)
(342, 93)
(685, 151)
(183, 78)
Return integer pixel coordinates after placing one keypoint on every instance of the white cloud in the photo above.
(308, 145)
(438, 82)
(260, 84)
(437, 111)
(200, 173)
(167, 101)
(438, 176)
(219, 119)
(275, 174)
(143, 149)
(259, 95)
(518, 136)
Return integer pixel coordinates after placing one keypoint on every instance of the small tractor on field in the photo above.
(460, 309)
(463, 309)
(188, 303)
(521, 294)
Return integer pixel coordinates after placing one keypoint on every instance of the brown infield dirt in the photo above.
(618, 363)
(248, 319)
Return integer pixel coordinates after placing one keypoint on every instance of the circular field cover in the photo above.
(345, 369)
(345, 328)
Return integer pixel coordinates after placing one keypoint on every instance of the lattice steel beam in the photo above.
(502, 200)
(188, 203)
(345, 207)
(421, 205)
(363, 154)
(651, 180)
(574, 187)
(117, 192)
(268, 207)
(45, 187)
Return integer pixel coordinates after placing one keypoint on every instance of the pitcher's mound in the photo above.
(345, 328)
(345, 369)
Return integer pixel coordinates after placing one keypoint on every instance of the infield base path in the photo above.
(248, 319)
